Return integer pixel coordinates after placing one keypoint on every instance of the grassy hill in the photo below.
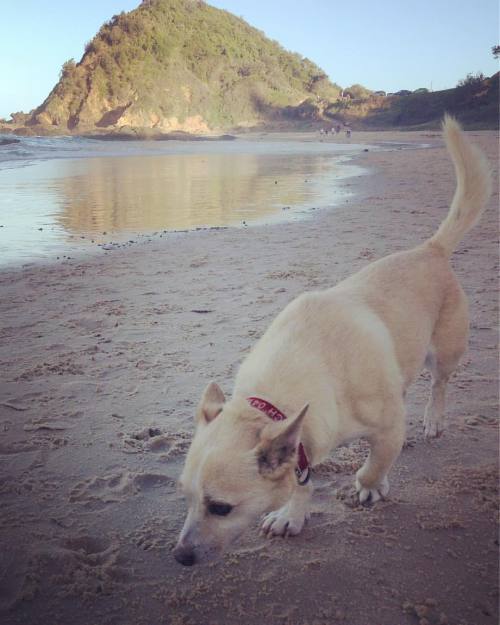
(182, 65)
(474, 102)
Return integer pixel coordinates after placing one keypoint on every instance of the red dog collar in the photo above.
(302, 470)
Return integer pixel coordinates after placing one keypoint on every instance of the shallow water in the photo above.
(66, 195)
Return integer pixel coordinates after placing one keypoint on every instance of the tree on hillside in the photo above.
(68, 68)
(496, 51)
(471, 80)
(357, 92)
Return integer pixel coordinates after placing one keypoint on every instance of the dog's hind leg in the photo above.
(289, 520)
(449, 341)
(371, 480)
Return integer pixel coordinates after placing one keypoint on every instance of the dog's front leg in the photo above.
(289, 520)
(371, 480)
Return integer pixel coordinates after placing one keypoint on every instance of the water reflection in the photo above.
(148, 193)
(55, 206)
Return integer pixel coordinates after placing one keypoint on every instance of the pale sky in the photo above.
(381, 44)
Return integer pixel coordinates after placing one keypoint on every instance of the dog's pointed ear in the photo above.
(278, 445)
(211, 403)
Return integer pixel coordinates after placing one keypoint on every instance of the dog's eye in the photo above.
(220, 509)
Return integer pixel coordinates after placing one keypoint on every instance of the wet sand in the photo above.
(102, 365)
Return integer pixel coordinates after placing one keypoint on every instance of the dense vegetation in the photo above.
(183, 65)
(173, 64)
(474, 101)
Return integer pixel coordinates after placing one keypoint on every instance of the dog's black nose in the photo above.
(184, 555)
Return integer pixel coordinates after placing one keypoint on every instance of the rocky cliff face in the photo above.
(182, 65)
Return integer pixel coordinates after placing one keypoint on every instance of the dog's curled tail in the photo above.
(473, 190)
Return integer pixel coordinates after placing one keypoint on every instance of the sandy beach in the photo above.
(103, 361)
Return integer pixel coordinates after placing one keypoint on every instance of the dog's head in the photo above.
(237, 468)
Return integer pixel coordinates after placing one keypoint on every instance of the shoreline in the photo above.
(82, 245)
(54, 242)
(103, 363)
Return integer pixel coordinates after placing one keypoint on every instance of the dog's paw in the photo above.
(284, 522)
(371, 495)
(432, 429)
(433, 424)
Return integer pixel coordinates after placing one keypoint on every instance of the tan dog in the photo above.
(338, 363)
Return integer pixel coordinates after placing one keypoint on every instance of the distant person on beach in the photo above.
(348, 133)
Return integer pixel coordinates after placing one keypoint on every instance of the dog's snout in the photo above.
(184, 555)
